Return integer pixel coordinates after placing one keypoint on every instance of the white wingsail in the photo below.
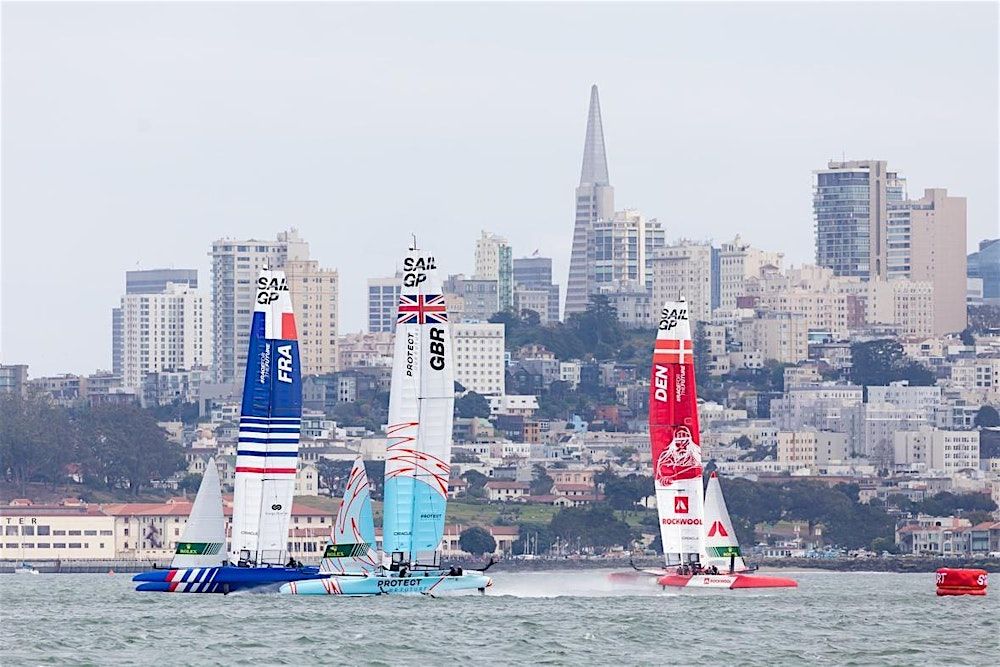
(421, 404)
(204, 540)
(721, 545)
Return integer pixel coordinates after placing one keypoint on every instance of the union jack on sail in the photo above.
(422, 309)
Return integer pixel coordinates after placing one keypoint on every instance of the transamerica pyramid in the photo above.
(595, 200)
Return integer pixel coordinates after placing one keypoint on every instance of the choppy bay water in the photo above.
(575, 617)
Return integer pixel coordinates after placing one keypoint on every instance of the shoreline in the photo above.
(894, 564)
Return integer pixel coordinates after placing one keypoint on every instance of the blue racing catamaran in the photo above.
(417, 462)
(266, 461)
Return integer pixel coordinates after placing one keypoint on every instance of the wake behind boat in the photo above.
(266, 462)
(417, 466)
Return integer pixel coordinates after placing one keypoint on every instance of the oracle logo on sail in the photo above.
(414, 268)
(669, 317)
(437, 349)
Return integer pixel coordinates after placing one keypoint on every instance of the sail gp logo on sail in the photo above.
(671, 317)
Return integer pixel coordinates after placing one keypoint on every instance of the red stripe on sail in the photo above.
(284, 471)
(288, 327)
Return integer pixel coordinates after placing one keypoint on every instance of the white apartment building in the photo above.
(236, 265)
(809, 448)
(737, 262)
(479, 357)
(569, 371)
(165, 331)
(684, 270)
(632, 303)
(621, 249)
(981, 376)
(315, 295)
(937, 449)
(365, 350)
(828, 303)
(510, 404)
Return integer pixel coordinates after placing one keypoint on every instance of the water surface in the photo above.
(527, 618)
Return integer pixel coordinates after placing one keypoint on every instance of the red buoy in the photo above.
(958, 581)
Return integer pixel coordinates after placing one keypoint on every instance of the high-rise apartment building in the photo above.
(164, 331)
(494, 261)
(621, 249)
(851, 203)
(685, 269)
(235, 267)
(383, 298)
(147, 281)
(867, 227)
(595, 200)
(534, 289)
(739, 261)
(315, 295)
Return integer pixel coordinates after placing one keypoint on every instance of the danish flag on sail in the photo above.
(674, 436)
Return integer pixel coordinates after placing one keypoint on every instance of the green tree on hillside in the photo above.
(37, 439)
(987, 417)
(879, 362)
(472, 405)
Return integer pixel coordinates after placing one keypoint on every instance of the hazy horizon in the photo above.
(135, 134)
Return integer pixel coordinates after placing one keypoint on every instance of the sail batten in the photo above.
(421, 405)
(675, 437)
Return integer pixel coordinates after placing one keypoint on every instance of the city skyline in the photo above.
(193, 170)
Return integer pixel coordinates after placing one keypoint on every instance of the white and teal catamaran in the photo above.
(417, 464)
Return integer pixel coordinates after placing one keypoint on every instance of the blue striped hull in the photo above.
(223, 579)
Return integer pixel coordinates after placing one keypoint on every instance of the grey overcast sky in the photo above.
(133, 135)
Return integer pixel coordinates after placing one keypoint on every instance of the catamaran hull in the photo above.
(430, 583)
(725, 581)
(224, 579)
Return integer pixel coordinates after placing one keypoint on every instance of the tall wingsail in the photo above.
(352, 547)
(721, 546)
(421, 404)
(674, 437)
(204, 541)
(270, 420)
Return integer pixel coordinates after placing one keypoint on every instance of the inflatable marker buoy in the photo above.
(956, 581)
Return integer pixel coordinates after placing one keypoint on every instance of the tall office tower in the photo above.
(494, 261)
(737, 262)
(315, 297)
(984, 265)
(383, 298)
(533, 283)
(235, 267)
(867, 227)
(151, 281)
(621, 249)
(164, 331)
(685, 269)
(595, 200)
(851, 204)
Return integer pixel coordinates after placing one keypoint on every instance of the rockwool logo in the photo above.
(681, 505)
(717, 529)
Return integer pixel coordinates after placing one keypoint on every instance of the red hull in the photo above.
(725, 581)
